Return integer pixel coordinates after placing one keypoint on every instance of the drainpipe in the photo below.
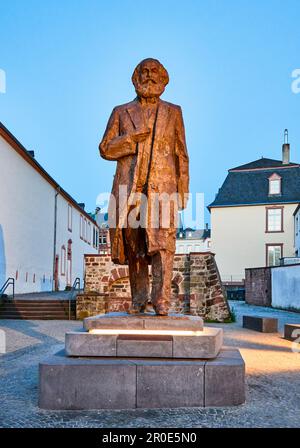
(54, 240)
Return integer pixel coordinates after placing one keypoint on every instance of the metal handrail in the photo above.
(9, 282)
(76, 285)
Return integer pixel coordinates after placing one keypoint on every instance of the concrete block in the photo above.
(68, 383)
(207, 345)
(170, 384)
(146, 321)
(262, 324)
(126, 383)
(225, 379)
(88, 344)
(291, 331)
(146, 346)
(176, 322)
(112, 321)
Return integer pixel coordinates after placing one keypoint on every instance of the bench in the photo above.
(289, 330)
(262, 324)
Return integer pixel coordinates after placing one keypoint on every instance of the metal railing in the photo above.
(9, 282)
(76, 286)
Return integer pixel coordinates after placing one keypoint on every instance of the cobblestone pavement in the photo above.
(273, 381)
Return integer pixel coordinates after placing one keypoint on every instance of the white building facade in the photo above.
(44, 233)
(297, 231)
(252, 216)
(190, 240)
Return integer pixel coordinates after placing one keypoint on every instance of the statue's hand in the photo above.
(140, 135)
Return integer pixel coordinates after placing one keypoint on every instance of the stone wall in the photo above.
(258, 289)
(196, 285)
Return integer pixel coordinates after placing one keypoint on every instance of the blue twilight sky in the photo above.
(69, 62)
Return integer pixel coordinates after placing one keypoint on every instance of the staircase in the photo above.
(37, 309)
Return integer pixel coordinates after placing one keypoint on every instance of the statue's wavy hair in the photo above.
(164, 76)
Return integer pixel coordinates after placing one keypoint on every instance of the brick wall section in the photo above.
(196, 285)
(258, 286)
(91, 304)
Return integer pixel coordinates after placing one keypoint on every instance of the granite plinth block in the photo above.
(262, 324)
(291, 331)
(225, 379)
(170, 384)
(77, 383)
(88, 344)
(143, 321)
(128, 383)
(206, 344)
(145, 346)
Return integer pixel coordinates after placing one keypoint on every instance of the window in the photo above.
(103, 238)
(81, 227)
(95, 237)
(85, 229)
(89, 232)
(70, 212)
(63, 261)
(274, 184)
(274, 219)
(273, 254)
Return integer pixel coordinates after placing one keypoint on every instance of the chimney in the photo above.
(206, 226)
(81, 205)
(286, 149)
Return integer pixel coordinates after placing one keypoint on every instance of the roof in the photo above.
(263, 163)
(23, 152)
(249, 184)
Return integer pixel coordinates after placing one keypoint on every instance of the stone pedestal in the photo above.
(142, 361)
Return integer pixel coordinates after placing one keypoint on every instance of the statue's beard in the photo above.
(149, 89)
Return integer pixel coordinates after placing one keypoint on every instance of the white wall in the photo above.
(239, 238)
(79, 246)
(27, 226)
(286, 287)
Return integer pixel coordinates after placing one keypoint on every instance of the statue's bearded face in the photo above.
(149, 82)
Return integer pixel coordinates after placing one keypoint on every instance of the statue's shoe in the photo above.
(161, 310)
(136, 309)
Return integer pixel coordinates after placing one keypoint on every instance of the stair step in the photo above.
(19, 317)
(39, 307)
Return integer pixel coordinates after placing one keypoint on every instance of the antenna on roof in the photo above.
(286, 136)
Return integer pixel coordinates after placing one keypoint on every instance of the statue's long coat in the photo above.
(168, 173)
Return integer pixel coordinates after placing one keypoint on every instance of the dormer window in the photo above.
(274, 184)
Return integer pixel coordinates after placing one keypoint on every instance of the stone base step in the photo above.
(118, 383)
(204, 344)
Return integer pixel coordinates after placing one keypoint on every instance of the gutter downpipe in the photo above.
(54, 240)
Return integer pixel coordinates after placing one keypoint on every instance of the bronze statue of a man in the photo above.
(146, 137)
